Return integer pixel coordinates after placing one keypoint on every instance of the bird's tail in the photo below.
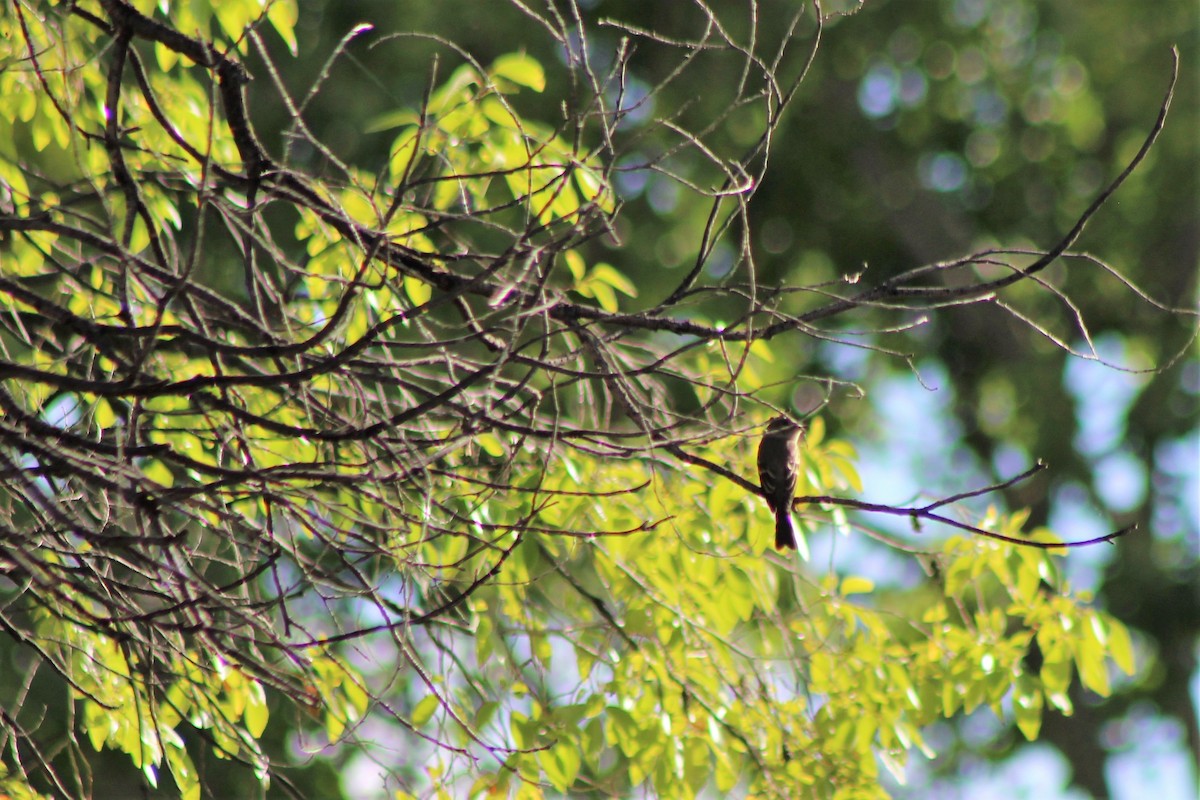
(785, 534)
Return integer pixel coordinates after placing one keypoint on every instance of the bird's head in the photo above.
(784, 424)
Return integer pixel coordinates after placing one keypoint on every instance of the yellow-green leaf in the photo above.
(103, 414)
(1120, 647)
(520, 69)
(856, 584)
(184, 773)
(1091, 662)
(156, 471)
(283, 16)
(606, 273)
(256, 714)
(575, 264)
(594, 189)
(561, 765)
(404, 150)
(490, 444)
(424, 710)
(417, 290)
(1027, 706)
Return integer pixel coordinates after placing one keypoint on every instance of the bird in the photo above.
(778, 465)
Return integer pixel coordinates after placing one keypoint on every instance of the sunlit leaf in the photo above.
(520, 69)
(1027, 706)
(857, 585)
(423, 711)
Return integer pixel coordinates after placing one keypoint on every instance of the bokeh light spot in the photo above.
(943, 172)
(879, 91)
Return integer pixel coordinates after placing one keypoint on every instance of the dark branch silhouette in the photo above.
(265, 387)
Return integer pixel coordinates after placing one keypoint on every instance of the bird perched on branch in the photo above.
(778, 465)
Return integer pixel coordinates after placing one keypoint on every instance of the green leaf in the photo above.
(158, 472)
(256, 713)
(1120, 646)
(575, 264)
(1091, 659)
(725, 774)
(623, 731)
(737, 594)
(283, 16)
(184, 773)
(605, 273)
(524, 732)
(484, 642)
(561, 764)
(397, 118)
(697, 763)
(857, 585)
(418, 291)
(97, 724)
(1056, 675)
(404, 154)
(539, 646)
(957, 576)
(490, 444)
(103, 414)
(424, 709)
(521, 69)
(486, 713)
(594, 190)
(1027, 705)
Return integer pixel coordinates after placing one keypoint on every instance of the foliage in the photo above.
(387, 444)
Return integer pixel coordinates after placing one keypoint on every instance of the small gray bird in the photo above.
(778, 465)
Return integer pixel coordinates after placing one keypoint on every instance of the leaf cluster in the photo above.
(383, 444)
